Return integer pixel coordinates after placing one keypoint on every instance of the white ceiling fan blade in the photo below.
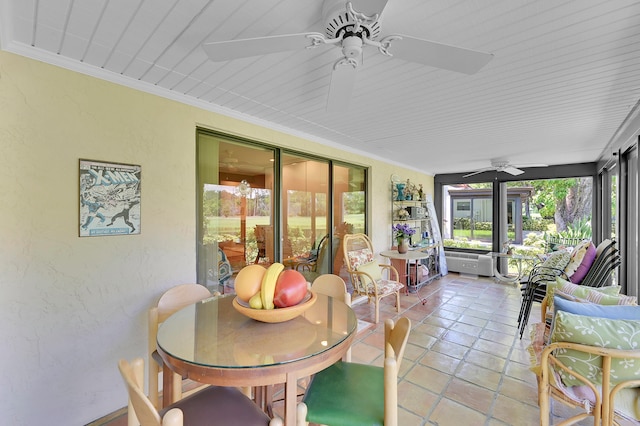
(438, 55)
(343, 79)
(512, 170)
(530, 165)
(477, 172)
(369, 7)
(219, 51)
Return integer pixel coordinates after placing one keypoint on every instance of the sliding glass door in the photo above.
(305, 215)
(236, 214)
(260, 204)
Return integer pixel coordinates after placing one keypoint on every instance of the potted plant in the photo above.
(402, 232)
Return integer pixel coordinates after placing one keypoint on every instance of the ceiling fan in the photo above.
(504, 166)
(352, 26)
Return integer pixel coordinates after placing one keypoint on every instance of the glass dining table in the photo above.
(210, 342)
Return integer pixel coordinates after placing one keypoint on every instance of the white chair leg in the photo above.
(301, 414)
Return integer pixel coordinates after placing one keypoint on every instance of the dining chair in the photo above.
(171, 301)
(348, 393)
(212, 406)
(367, 275)
(333, 286)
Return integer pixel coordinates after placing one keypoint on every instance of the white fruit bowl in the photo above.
(277, 314)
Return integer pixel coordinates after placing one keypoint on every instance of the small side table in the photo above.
(412, 258)
(506, 278)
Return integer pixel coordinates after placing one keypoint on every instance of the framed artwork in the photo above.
(109, 198)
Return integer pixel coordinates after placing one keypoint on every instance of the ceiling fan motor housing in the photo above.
(338, 22)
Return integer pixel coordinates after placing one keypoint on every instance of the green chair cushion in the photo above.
(346, 394)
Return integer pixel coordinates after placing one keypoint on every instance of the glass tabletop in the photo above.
(512, 256)
(212, 333)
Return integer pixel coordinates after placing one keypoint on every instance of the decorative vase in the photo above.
(403, 245)
(400, 188)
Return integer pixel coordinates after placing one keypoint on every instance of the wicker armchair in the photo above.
(367, 275)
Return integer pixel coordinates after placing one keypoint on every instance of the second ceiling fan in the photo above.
(504, 166)
(352, 26)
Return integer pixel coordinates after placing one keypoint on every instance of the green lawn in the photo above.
(477, 235)
(231, 225)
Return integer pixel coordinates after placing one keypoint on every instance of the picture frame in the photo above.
(109, 198)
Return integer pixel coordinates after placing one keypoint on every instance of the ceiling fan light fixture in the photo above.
(352, 47)
(244, 188)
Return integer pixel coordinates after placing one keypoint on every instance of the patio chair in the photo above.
(171, 301)
(367, 275)
(214, 405)
(320, 260)
(606, 261)
(535, 290)
(348, 393)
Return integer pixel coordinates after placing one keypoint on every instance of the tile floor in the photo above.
(463, 364)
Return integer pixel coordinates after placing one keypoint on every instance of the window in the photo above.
(469, 216)
(483, 216)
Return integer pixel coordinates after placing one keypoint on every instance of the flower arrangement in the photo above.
(402, 230)
(403, 214)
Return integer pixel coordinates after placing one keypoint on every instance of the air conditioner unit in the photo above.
(470, 263)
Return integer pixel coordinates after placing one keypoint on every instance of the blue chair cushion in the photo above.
(346, 394)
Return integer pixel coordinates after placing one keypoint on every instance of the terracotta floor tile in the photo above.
(515, 412)
(428, 378)
(486, 360)
(479, 375)
(437, 321)
(523, 391)
(412, 353)
(459, 338)
(432, 330)
(440, 362)
(492, 347)
(451, 413)
(450, 348)
(470, 395)
(471, 330)
(416, 399)
(497, 336)
(422, 339)
(471, 319)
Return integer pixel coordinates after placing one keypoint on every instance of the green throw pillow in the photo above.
(371, 268)
(557, 260)
(599, 332)
(579, 291)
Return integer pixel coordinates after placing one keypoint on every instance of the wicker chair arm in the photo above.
(393, 272)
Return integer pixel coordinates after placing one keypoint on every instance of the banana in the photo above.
(256, 301)
(268, 288)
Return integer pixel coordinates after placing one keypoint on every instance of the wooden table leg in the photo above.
(290, 399)
(167, 385)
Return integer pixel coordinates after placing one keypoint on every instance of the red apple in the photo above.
(291, 287)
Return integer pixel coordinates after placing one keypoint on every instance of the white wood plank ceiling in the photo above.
(564, 76)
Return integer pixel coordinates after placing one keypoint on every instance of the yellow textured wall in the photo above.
(70, 307)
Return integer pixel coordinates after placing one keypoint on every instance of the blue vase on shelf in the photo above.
(400, 187)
